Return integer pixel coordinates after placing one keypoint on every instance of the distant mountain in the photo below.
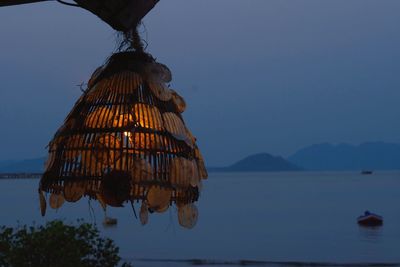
(259, 163)
(367, 156)
(29, 165)
(5, 163)
(319, 157)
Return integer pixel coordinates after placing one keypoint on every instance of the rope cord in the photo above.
(131, 40)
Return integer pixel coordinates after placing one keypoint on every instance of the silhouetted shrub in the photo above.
(57, 244)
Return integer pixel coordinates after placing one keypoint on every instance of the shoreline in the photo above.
(204, 262)
(21, 175)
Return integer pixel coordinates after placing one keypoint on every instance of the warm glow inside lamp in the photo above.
(125, 140)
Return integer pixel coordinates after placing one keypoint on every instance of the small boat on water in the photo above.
(370, 219)
(366, 172)
(108, 221)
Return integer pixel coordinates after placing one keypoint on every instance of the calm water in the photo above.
(304, 217)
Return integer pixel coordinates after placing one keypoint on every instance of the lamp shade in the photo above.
(125, 141)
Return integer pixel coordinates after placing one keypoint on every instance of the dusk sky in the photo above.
(258, 75)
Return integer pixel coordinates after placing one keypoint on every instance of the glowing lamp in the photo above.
(125, 141)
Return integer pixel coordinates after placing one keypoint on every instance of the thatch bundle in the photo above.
(125, 141)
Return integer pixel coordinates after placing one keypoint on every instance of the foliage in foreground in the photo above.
(57, 244)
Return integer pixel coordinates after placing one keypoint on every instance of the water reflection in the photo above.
(248, 216)
(371, 234)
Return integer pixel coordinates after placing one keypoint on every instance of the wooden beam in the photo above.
(18, 2)
(122, 15)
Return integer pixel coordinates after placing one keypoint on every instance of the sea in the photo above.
(260, 219)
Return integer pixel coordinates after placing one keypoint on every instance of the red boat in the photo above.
(370, 219)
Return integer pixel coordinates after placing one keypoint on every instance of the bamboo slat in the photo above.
(125, 141)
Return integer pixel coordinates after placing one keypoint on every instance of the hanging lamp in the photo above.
(125, 139)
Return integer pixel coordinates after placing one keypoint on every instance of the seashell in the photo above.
(182, 196)
(157, 72)
(184, 172)
(200, 185)
(178, 101)
(158, 198)
(42, 202)
(101, 201)
(56, 201)
(190, 138)
(175, 126)
(73, 191)
(200, 164)
(181, 171)
(148, 116)
(188, 215)
(162, 209)
(166, 73)
(160, 91)
(144, 214)
(194, 175)
(202, 169)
